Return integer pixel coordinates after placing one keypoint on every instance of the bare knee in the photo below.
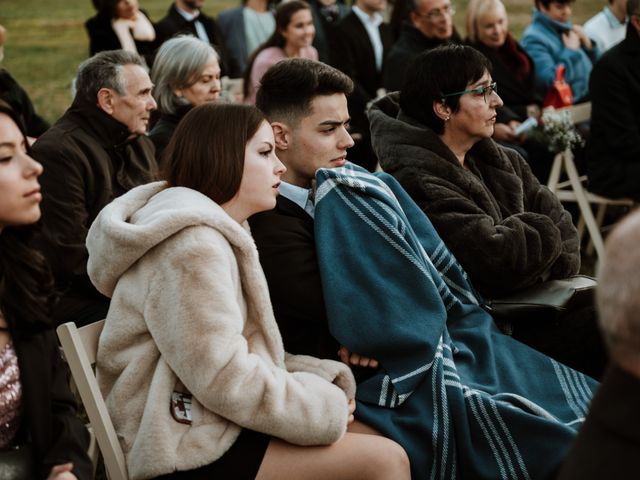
(389, 461)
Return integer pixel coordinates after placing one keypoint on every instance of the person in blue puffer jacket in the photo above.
(552, 39)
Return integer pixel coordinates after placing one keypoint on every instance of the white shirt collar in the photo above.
(298, 195)
(376, 21)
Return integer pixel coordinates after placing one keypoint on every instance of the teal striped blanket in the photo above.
(464, 400)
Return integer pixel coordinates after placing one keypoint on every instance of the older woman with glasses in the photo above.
(506, 230)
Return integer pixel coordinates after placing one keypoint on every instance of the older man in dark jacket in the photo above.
(613, 153)
(95, 152)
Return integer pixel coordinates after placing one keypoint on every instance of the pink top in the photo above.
(265, 59)
(10, 395)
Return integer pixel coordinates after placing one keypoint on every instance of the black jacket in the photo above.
(12, 93)
(613, 151)
(506, 230)
(102, 37)
(286, 242)
(409, 45)
(608, 443)
(49, 417)
(88, 161)
(175, 24)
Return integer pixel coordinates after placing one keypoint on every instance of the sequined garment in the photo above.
(10, 395)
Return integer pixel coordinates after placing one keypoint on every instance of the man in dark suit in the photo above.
(306, 104)
(613, 152)
(186, 18)
(607, 446)
(359, 46)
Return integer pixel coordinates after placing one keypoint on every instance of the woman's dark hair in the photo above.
(206, 151)
(546, 3)
(445, 69)
(284, 12)
(26, 284)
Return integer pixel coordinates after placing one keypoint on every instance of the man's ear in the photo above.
(105, 100)
(282, 135)
(442, 110)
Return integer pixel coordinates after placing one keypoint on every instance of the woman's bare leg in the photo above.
(356, 456)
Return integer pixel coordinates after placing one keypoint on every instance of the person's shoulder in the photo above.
(596, 23)
(230, 14)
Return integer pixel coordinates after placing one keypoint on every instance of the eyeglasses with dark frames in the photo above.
(437, 13)
(485, 91)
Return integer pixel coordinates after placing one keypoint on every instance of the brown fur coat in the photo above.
(506, 229)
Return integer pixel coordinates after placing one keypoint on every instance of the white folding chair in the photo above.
(80, 346)
(573, 189)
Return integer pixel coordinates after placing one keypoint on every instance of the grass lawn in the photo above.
(47, 40)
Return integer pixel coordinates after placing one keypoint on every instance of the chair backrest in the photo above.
(80, 346)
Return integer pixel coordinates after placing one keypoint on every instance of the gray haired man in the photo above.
(95, 152)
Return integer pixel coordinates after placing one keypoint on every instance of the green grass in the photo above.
(47, 40)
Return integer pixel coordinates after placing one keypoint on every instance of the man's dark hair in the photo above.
(288, 88)
(435, 73)
(104, 70)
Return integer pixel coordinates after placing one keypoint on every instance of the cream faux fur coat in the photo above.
(190, 311)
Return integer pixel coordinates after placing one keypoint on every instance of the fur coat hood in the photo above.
(190, 312)
(138, 221)
(506, 229)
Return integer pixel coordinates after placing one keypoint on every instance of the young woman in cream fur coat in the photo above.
(191, 361)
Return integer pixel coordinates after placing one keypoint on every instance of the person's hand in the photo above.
(352, 408)
(503, 133)
(62, 472)
(354, 359)
(585, 41)
(571, 40)
(534, 111)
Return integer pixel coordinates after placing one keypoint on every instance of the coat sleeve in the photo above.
(70, 438)
(193, 311)
(65, 218)
(499, 256)
(539, 199)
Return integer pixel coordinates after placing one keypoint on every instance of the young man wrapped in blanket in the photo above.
(354, 262)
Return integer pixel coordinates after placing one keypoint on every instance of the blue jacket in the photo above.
(542, 40)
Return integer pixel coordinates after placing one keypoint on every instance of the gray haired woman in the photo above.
(186, 74)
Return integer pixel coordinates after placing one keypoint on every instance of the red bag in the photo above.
(559, 94)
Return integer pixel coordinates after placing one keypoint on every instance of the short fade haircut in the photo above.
(206, 151)
(435, 73)
(618, 292)
(104, 70)
(288, 88)
(178, 64)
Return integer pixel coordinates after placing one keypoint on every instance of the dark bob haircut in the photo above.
(546, 3)
(446, 69)
(206, 151)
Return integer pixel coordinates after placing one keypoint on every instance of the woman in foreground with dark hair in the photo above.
(212, 393)
(292, 38)
(37, 410)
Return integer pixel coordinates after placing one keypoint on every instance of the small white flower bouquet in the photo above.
(559, 131)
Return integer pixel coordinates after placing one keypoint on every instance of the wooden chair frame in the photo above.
(80, 346)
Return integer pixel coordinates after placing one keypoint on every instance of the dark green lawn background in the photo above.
(47, 40)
